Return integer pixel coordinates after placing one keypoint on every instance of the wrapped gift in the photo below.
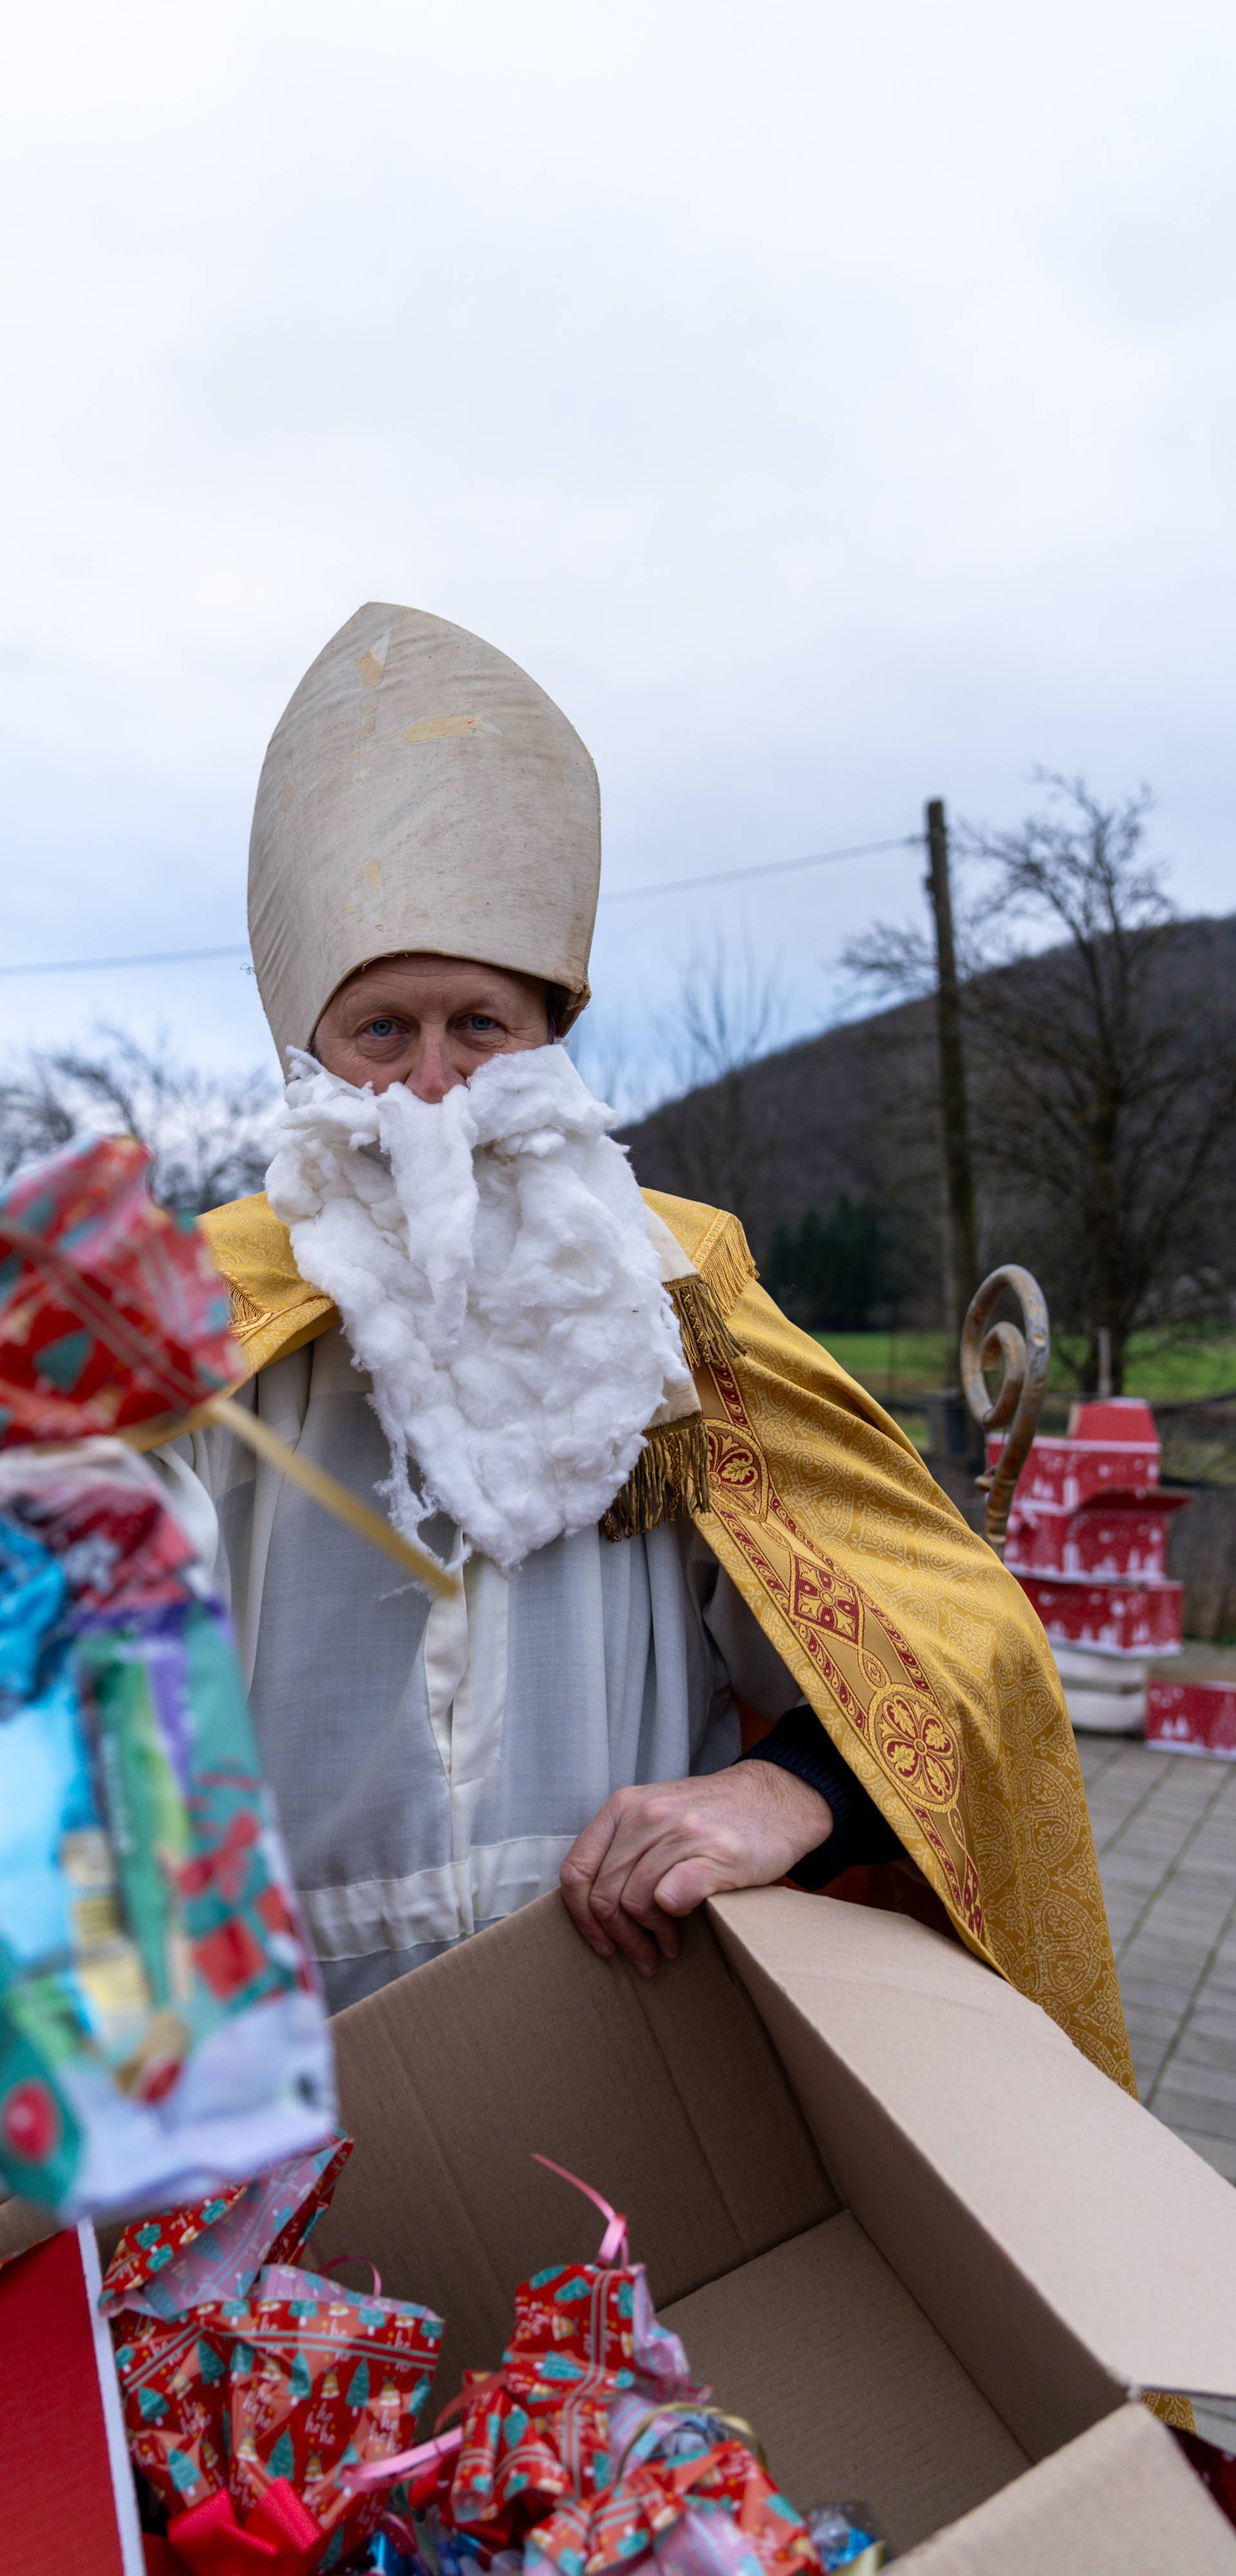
(111, 1310)
(113, 1316)
(253, 2388)
(181, 2258)
(585, 2336)
(161, 2023)
(593, 2448)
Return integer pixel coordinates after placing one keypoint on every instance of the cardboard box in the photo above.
(899, 2221)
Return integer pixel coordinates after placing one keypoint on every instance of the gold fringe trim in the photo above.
(705, 1333)
(246, 1314)
(1170, 2409)
(724, 1261)
(670, 1478)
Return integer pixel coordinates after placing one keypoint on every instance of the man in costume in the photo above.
(716, 1623)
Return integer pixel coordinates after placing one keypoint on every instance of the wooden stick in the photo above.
(328, 1491)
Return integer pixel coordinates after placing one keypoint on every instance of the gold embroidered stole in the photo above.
(918, 1652)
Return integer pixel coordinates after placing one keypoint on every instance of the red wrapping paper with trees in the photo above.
(148, 1273)
(244, 2376)
(593, 2448)
(268, 2410)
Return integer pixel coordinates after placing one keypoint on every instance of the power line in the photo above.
(768, 868)
(621, 894)
(160, 957)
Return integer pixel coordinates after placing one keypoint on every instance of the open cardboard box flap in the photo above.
(1120, 2498)
(900, 2046)
(900, 2223)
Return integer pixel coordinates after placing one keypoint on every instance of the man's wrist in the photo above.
(799, 1745)
(806, 1805)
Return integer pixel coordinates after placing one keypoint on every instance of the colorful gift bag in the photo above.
(161, 2023)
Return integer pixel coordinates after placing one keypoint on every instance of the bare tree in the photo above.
(209, 1133)
(1106, 1097)
(726, 1012)
(613, 1063)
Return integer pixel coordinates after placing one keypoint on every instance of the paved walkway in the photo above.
(1165, 1829)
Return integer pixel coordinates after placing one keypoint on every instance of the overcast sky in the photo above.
(831, 406)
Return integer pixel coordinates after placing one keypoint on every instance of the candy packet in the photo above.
(845, 2535)
(161, 2022)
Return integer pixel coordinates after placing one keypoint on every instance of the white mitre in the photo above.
(499, 1278)
(420, 792)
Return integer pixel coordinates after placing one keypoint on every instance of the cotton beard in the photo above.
(489, 1256)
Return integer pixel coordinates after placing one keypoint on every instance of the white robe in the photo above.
(432, 1763)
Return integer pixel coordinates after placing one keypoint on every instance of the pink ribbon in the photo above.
(378, 2473)
(337, 2259)
(373, 2473)
(613, 2245)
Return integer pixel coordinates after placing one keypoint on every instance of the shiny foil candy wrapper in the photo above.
(161, 2022)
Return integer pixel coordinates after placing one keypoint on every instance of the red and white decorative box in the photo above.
(1081, 1466)
(1119, 1618)
(1112, 1535)
(1087, 1540)
(67, 2488)
(1192, 1717)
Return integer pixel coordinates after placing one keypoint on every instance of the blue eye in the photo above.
(379, 1028)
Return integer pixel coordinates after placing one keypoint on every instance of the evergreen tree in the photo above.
(282, 2461)
(839, 1273)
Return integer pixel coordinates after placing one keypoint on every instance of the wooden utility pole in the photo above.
(960, 1249)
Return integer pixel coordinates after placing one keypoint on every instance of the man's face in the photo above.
(427, 1022)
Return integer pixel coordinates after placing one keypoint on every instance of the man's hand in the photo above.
(652, 1854)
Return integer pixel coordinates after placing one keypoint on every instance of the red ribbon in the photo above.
(279, 2538)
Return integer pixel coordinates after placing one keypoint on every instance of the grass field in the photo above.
(902, 1364)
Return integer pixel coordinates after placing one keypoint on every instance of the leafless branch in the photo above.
(209, 1133)
(1102, 1102)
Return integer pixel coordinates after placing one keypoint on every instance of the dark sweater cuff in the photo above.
(798, 1743)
